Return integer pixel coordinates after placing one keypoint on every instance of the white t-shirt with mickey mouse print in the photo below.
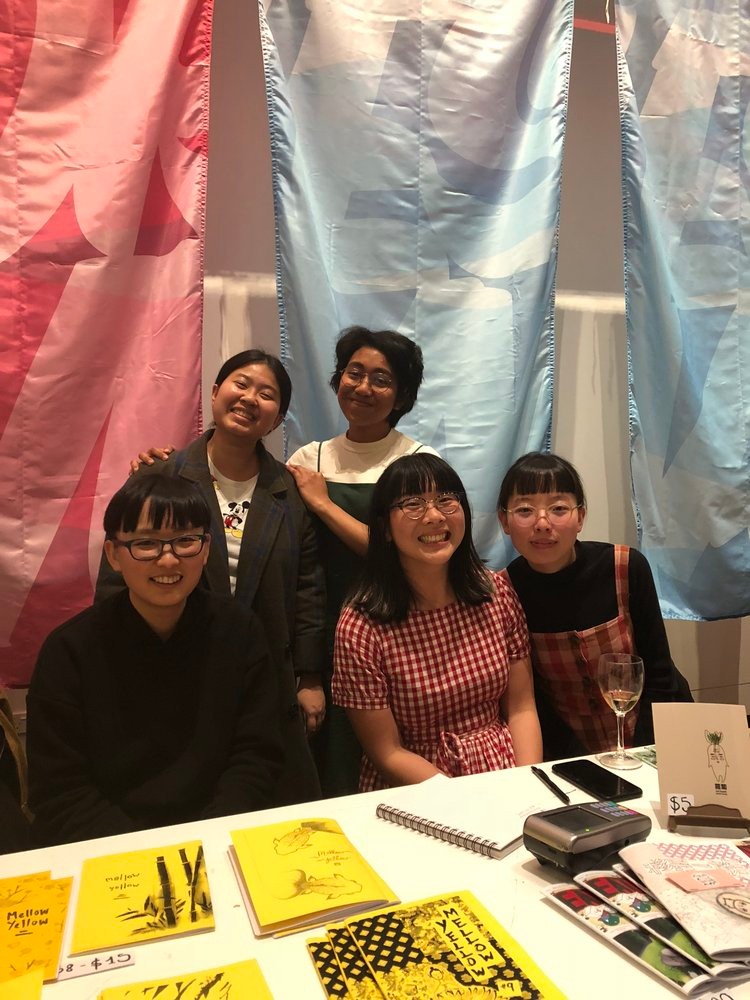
(234, 503)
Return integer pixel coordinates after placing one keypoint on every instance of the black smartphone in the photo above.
(597, 781)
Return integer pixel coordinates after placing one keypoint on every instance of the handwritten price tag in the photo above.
(713, 878)
(678, 805)
(74, 967)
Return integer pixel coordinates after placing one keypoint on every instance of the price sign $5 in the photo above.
(678, 805)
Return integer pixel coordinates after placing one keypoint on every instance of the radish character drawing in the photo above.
(717, 759)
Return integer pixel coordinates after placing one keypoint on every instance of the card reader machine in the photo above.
(580, 837)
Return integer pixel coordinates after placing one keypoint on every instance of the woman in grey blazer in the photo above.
(263, 546)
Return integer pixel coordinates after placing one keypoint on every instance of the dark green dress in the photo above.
(335, 748)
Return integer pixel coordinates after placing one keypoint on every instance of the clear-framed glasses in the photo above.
(416, 507)
(145, 549)
(378, 381)
(557, 513)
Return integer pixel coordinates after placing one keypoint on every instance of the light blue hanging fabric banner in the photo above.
(417, 152)
(684, 69)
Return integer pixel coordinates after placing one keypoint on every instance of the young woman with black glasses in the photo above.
(431, 657)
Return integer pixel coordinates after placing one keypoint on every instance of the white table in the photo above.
(415, 866)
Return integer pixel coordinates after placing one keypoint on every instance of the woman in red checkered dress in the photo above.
(581, 599)
(431, 658)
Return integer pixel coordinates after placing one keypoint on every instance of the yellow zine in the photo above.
(445, 944)
(27, 987)
(329, 971)
(359, 981)
(32, 917)
(303, 872)
(240, 981)
(141, 896)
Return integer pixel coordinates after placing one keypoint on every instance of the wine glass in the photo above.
(620, 677)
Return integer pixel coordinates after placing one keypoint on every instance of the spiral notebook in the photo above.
(489, 824)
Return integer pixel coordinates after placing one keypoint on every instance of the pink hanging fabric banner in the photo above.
(103, 142)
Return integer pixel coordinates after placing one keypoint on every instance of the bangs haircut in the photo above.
(171, 502)
(383, 592)
(258, 357)
(538, 472)
(415, 474)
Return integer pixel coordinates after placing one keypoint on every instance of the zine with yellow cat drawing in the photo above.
(302, 872)
(238, 981)
(142, 895)
(447, 945)
(32, 917)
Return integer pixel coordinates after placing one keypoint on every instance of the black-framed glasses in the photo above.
(557, 513)
(146, 549)
(379, 381)
(416, 507)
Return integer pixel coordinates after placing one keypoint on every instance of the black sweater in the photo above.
(582, 596)
(126, 731)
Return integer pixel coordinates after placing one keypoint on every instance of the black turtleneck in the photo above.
(582, 596)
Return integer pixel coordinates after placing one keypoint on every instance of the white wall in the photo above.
(590, 425)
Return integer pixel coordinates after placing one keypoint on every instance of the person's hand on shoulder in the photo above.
(311, 485)
(148, 457)
(314, 492)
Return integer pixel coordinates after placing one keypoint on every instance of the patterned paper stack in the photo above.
(443, 946)
(678, 909)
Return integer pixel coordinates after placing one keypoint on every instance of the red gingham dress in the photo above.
(442, 674)
(565, 665)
